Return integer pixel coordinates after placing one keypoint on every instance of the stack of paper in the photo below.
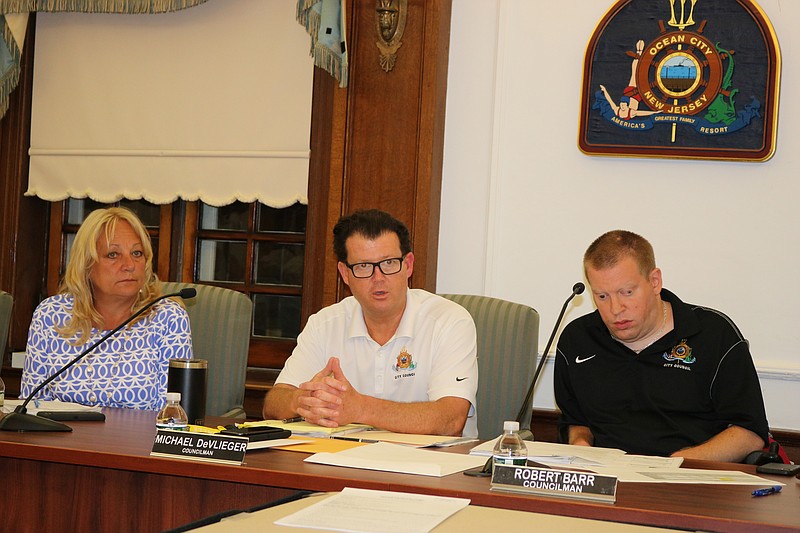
(307, 429)
(361, 510)
(553, 454)
(414, 439)
(397, 458)
(626, 467)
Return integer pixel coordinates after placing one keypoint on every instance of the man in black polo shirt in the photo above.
(650, 374)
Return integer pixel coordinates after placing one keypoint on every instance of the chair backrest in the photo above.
(6, 302)
(508, 338)
(220, 320)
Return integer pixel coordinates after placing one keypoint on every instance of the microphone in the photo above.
(20, 420)
(577, 289)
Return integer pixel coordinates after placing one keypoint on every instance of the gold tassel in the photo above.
(11, 77)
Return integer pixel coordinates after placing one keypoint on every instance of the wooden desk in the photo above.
(100, 477)
(471, 518)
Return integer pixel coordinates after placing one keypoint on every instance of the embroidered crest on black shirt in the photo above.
(681, 352)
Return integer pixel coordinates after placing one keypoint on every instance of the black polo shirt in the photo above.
(685, 388)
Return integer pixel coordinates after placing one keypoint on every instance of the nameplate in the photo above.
(207, 447)
(553, 482)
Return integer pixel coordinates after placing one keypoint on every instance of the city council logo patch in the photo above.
(681, 353)
(404, 362)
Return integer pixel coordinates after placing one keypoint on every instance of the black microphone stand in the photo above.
(578, 288)
(20, 420)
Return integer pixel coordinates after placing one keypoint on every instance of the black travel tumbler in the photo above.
(189, 377)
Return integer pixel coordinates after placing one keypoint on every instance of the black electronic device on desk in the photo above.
(256, 434)
(73, 416)
(780, 469)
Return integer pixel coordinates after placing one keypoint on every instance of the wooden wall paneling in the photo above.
(325, 189)
(189, 242)
(379, 142)
(388, 132)
(55, 248)
(165, 244)
(430, 149)
(23, 220)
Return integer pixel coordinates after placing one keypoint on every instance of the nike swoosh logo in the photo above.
(460, 379)
(579, 360)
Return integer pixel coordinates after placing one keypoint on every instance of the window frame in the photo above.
(265, 352)
(178, 262)
(57, 243)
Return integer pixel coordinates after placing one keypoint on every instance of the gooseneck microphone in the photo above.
(577, 289)
(20, 420)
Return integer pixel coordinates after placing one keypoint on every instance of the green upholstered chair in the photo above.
(508, 337)
(220, 320)
(6, 301)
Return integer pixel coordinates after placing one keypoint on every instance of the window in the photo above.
(252, 248)
(258, 250)
(67, 216)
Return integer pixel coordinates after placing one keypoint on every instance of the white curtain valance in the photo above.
(14, 20)
(211, 104)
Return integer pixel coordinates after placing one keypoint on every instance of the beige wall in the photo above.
(520, 203)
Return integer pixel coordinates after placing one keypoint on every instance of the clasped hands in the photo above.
(329, 399)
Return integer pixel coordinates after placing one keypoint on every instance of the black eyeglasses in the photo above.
(387, 267)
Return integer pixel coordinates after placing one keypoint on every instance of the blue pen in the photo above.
(766, 492)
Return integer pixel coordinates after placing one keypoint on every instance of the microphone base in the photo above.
(26, 422)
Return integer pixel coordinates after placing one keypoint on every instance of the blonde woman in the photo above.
(108, 277)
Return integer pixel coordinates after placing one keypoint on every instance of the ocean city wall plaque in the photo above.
(689, 79)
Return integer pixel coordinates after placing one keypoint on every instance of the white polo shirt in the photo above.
(431, 355)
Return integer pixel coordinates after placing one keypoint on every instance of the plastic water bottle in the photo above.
(172, 416)
(510, 449)
(2, 392)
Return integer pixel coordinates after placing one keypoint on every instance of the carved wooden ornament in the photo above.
(391, 23)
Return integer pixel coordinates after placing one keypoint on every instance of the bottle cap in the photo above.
(173, 396)
(510, 425)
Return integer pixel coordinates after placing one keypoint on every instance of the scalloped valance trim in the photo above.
(277, 179)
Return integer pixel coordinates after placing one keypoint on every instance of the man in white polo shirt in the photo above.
(395, 358)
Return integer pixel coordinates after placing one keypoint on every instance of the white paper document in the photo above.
(398, 458)
(273, 443)
(558, 453)
(684, 475)
(552, 454)
(414, 439)
(307, 429)
(627, 468)
(47, 405)
(360, 510)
